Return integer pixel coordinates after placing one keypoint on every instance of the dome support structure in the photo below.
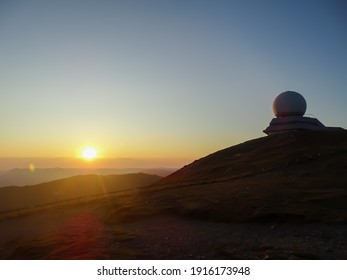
(289, 108)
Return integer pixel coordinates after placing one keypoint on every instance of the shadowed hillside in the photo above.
(70, 188)
(310, 155)
(292, 176)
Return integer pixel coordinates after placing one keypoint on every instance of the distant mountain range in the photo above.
(24, 177)
(12, 198)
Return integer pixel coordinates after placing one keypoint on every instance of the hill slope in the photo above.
(313, 155)
(70, 188)
(294, 176)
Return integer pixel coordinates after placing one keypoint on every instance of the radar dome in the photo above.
(289, 103)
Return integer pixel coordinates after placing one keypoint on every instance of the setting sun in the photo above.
(89, 153)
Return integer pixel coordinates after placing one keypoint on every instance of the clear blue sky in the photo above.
(170, 79)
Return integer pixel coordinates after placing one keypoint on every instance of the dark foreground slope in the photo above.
(277, 197)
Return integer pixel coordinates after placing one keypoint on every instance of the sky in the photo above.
(171, 81)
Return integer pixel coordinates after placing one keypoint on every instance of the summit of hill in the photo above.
(301, 156)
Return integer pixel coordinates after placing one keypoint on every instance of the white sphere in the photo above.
(289, 103)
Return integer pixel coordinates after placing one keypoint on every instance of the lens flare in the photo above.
(32, 167)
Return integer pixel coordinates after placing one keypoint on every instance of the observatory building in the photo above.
(289, 108)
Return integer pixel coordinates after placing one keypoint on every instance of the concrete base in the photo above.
(296, 123)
